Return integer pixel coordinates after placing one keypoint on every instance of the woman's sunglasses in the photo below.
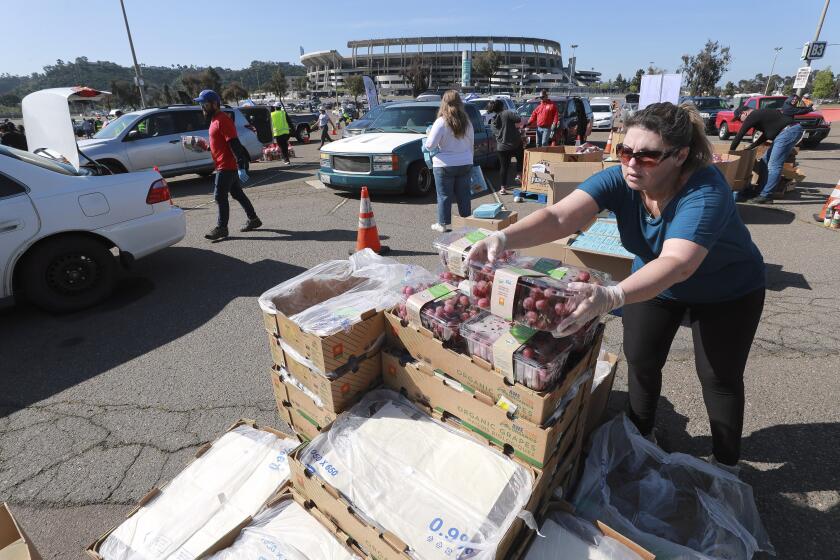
(645, 158)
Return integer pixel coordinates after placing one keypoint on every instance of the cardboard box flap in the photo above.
(14, 543)
(394, 541)
(608, 531)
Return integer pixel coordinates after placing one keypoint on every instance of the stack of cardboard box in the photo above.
(317, 377)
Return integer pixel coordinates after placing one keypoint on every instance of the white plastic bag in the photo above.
(578, 539)
(331, 297)
(443, 493)
(674, 505)
(285, 531)
(230, 482)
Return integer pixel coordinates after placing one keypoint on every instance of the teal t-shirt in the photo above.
(703, 212)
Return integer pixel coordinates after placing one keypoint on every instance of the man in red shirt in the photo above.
(546, 117)
(231, 161)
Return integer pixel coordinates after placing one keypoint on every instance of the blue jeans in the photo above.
(543, 136)
(453, 181)
(228, 182)
(775, 156)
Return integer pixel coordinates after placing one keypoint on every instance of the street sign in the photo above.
(802, 76)
(817, 50)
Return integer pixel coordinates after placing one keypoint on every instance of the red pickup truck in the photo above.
(815, 126)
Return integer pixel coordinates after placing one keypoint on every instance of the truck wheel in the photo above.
(420, 179)
(68, 273)
(302, 134)
(723, 133)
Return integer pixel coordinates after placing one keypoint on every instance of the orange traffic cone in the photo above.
(608, 147)
(368, 236)
(833, 200)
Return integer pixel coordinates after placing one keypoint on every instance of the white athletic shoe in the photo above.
(440, 228)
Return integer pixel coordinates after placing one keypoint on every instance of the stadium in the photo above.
(528, 64)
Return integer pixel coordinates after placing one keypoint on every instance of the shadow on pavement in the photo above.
(805, 459)
(290, 235)
(167, 296)
(778, 279)
(754, 214)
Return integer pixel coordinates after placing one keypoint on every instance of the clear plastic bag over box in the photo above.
(288, 532)
(576, 538)
(215, 493)
(331, 297)
(446, 495)
(674, 505)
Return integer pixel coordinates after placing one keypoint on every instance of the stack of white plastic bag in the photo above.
(674, 505)
(577, 539)
(288, 532)
(440, 491)
(331, 297)
(214, 494)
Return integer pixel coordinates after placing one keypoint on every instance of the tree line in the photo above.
(163, 84)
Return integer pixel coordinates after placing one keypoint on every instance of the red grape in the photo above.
(541, 304)
(528, 304)
(528, 353)
(484, 302)
(583, 276)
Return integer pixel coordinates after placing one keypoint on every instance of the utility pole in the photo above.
(772, 67)
(816, 38)
(137, 77)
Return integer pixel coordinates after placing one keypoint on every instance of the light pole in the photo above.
(772, 67)
(137, 77)
(572, 64)
(816, 38)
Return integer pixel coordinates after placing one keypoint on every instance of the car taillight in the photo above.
(158, 192)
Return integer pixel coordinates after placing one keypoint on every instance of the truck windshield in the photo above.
(711, 104)
(772, 103)
(405, 117)
(114, 128)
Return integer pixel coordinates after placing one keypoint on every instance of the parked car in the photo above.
(387, 156)
(152, 138)
(709, 107)
(482, 103)
(300, 123)
(567, 129)
(814, 124)
(59, 226)
(602, 116)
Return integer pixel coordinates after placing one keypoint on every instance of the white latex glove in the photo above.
(598, 300)
(488, 249)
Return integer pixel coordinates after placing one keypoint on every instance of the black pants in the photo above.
(283, 141)
(504, 164)
(228, 182)
(325, 135)
(581, 132)
(723, 334)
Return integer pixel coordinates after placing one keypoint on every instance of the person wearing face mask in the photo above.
(694, 255)
(231, 162)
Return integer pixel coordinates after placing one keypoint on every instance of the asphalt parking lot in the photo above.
(99, 406)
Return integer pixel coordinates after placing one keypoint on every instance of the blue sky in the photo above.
(613, 36)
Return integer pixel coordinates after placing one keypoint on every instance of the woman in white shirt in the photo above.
(451, 140)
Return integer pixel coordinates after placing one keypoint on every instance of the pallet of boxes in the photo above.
(477, 427)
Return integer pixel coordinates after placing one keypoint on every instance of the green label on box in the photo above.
(476, 236)
(522, 333)
(549, 268)
(440, 290)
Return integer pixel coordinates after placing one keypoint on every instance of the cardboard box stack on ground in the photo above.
(378, 542)
(14, 544)
(557, 170)
(214, 496)
(314, 377)
(503, 220)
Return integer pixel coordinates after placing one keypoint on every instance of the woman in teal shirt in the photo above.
(675, 212)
